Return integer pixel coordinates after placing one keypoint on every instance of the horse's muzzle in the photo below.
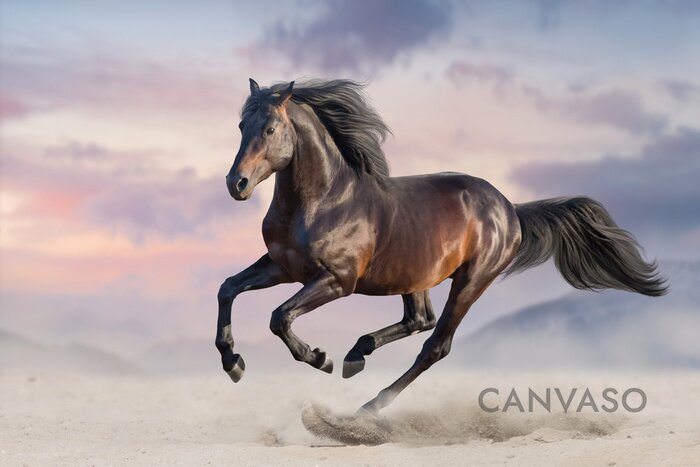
(239, 187)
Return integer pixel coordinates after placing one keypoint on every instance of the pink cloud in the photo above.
(12, 108)
(53, 203)
(141, 204)
(84, 224)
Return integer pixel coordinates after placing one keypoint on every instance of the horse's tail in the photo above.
(589, 249)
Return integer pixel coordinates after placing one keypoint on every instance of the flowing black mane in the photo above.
(342, 107)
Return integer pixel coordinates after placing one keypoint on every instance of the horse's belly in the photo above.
(392, 286)
(412, 269)
(394, 281)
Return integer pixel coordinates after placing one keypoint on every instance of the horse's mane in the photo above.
(343, 108)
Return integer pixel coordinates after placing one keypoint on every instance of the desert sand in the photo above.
(49, 418)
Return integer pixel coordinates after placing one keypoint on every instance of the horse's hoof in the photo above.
(321, 361)
(353, 367)
(237, 368)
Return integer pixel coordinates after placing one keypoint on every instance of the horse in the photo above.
(339, 224)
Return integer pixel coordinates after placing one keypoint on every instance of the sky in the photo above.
(118, 123)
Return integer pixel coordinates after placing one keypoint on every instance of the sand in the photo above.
(50, 418)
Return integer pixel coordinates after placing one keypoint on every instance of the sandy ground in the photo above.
(59, 419)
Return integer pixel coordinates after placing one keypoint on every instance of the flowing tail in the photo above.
(589, 249)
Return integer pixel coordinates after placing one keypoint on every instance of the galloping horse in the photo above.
(339, 224)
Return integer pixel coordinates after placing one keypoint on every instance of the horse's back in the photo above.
(441, 181)
(472, 196)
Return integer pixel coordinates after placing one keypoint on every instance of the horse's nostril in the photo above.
(242, 183)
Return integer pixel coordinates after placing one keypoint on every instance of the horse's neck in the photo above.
(317, 169)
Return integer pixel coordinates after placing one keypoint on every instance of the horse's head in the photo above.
(267, 140)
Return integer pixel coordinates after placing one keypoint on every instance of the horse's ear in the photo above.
(286, 94)
(254, 88)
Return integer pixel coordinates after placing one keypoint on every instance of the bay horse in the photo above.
(339, 224)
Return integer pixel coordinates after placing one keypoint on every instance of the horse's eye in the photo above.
(270, 130)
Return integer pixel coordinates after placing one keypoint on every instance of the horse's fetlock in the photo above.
(223, 345)
(366, 343)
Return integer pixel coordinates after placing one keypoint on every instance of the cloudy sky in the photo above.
(119, 122)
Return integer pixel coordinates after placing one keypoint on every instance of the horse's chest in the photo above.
(305, 247)
(288, 245)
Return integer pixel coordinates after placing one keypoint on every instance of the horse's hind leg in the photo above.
(417, 316)
(464, 292)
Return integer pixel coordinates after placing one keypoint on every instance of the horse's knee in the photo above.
(279, 322)
(227, 290)
(224, 340)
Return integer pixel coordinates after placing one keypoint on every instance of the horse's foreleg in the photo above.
(262, 274)
(321, 290)
(418, 316)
